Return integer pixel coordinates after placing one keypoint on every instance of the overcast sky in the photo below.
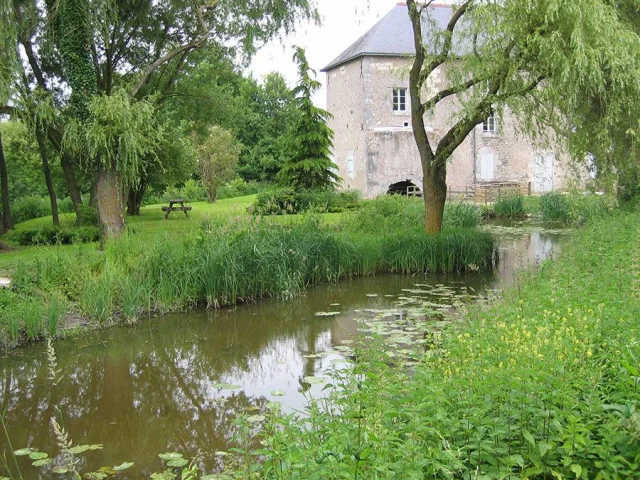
(344, 21)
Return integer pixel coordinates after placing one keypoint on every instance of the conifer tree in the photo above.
(310, 139)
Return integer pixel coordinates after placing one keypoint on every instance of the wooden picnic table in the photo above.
(182, 208)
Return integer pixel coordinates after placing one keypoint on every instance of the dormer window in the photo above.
(490, 125)
(399, 100)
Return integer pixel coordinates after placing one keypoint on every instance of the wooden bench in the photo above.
(182, 208)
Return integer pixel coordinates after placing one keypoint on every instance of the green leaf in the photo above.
(166, 475)
(96, 476)
(24, 451)
(227, 386)
(123, 466)
(60, 469)
(577, 469)
(528, 437)
(78, 449)
(277, 393)
(543, 448)
(170, 455)
(178, 462)
(255, 418)
(516, 460)
(314, 380)
(42, 462)
(38, 455)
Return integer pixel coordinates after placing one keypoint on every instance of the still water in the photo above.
(175, 383)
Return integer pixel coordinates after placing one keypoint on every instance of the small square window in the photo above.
(399, 99)
(490, 125)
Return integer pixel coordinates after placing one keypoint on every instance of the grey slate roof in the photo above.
(392, 35)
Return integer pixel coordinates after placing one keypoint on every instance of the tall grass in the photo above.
(230, 263)
(395, 212)
(510, 207)
(543, 384)
(575, 208)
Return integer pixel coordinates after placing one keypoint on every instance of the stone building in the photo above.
(374, 148)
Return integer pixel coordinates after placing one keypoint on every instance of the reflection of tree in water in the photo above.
(152, 389)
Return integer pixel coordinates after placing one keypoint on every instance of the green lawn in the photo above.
(149, 224)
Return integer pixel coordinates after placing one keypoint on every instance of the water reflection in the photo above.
(167, 384)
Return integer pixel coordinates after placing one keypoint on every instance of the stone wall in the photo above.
(380, 141)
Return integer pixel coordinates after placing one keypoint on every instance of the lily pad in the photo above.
(326, 314)
(123, 466)
(61, 469)
(226, 386)
(38, 455)
(277, 393)
(24, 452)
(315, 380)
(178, 462)
(42, 462)
(170, 455)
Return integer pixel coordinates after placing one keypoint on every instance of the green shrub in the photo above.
(283, 201)
(65, 205)
(27, 208)
(54, 235)
(510, 207)
(88, 216)
(240, 188)
(191, 191)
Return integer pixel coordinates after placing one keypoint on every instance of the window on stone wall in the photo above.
(490, 125)
(399, 99)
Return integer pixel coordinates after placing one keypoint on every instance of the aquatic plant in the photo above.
(574, 208)
(510, 207)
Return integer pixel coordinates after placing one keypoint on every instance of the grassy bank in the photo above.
(220, 263)
(543, 384)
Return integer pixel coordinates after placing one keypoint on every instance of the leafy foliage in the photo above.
(55, 235)
(310, 139)
(289, 201)
(118, 133)
(539, 59)
(218, 155)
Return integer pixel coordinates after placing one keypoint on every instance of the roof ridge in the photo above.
(391, 36)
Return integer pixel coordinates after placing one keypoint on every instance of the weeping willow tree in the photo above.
(117, 133)
(541, 59)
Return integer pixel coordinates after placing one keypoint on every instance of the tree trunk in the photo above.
(134, 198)
(4, 186)
(110, 203)
(2, 229)
(434, 187)
(47, 174)
(93, 195)
(72, 183)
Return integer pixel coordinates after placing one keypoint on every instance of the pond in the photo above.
(175, 383)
